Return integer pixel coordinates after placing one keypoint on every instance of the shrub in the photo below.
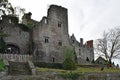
(70, 75)
(2, 45)
(2, 65)
(68, 52)
(69, 64)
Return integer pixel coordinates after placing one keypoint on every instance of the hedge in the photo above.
(48, 65)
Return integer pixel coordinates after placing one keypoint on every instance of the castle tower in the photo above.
(51, 34)
(58, 17)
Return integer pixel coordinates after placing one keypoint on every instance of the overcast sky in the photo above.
(87, 18)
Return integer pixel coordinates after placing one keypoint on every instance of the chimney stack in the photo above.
(81, 41)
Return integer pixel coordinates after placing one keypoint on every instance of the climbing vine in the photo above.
(2, 45)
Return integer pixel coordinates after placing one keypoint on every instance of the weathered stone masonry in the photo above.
(49, 36)
(16, 36)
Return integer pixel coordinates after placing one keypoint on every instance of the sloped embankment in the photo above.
(19, 68)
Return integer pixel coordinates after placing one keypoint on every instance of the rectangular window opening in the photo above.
(1, 28)
(60, 43)
(59, 25)
(46, 40)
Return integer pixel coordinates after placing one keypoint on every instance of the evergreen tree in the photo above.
(69, 61)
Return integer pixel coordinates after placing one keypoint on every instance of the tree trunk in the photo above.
(109, 63)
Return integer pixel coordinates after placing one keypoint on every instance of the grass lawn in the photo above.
(79, 70)
(97, 70)
(2, 66)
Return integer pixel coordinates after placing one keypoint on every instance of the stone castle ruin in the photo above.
(43, 40)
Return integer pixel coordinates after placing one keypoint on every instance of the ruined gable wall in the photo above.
(83, 50)
(87, 51)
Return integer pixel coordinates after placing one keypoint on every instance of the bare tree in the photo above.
(19, 12)
(109, 45)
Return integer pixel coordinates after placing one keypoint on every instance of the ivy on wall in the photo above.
(24, 27)
(2, 45)
(13, 19)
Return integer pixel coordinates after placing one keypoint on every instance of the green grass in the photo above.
(63, 73)
(79, 70)
(97, 70)
(2, 66)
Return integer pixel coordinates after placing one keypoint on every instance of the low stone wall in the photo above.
(32, 67)
(16, 57)
(102, 76)
(54, 76)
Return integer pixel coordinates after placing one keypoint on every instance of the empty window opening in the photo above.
(60, 43)
(73, 41)
(53, 59)
(87, 59)
(46, 40)
(59, 25)
(1, 28)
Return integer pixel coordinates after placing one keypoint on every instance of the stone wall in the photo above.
(47, 38)
(54, 76)
(53, 34)
(54, 29)
(16, 57)
(16, 36)
(83, 51)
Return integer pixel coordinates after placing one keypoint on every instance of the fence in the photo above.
(16, 57)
